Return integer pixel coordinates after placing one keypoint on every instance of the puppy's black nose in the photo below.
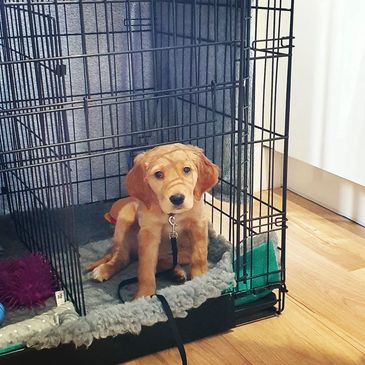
(177, 199)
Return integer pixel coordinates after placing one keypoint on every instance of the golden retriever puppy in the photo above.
(165, 180)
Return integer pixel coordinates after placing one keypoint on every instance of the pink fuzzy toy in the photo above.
(27, 281)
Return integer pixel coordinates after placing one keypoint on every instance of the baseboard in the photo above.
(330, 191)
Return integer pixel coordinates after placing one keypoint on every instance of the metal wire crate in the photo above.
(85, 85)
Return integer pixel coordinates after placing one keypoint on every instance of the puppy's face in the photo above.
(172, 176)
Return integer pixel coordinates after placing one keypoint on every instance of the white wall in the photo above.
(262, 180)
(328, 90)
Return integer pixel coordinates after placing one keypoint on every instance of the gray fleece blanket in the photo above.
(108, 317)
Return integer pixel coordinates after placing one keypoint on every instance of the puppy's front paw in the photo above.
(197, 270)
(102, 273)
(145, 292)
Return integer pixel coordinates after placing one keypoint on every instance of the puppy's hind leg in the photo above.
(101, 261)
(120, 255)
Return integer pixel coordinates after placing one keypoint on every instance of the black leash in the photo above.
(175, 331)
(165, 305)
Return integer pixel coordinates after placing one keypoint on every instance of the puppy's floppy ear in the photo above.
(207, 174)
(136, 183)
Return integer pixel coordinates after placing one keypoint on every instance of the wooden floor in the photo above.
(324, 318)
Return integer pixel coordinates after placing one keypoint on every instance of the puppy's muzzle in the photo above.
(177, 199)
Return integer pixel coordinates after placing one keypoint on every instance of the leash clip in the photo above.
(172, 221)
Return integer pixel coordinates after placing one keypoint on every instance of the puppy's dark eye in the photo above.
(158, 174)
(186, 170)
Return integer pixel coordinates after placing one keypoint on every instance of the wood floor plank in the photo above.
(215, 350)
(327, 233)
(331, 327)
(327, 214)
(295, 339)
(359, 274)
(324, 286)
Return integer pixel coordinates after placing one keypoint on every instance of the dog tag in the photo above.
(173, 233)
